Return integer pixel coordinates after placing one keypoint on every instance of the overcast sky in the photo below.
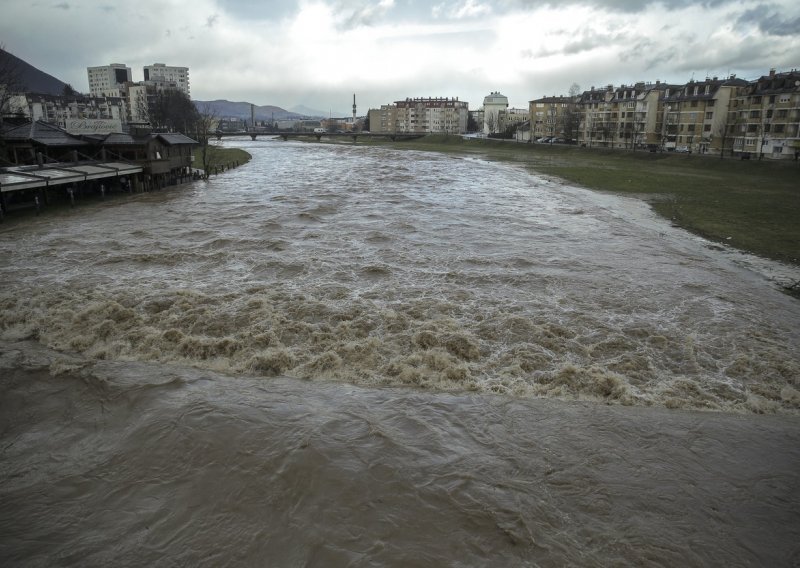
(318, 53)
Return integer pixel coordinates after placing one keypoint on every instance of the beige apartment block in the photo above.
(764, 117)
(436, 115)
(696, 115)
(553, 117)
(512, 118)
(624, 117)
(594, 112)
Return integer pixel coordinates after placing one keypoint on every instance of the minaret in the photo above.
(354, 108)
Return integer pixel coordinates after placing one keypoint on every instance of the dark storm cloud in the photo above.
(769, 20)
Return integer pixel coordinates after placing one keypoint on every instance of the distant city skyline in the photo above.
(318, 53)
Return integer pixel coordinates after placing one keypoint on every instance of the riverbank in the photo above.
(750, 205)
(221, 158)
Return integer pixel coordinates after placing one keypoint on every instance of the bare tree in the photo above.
(721, 131)
(172, 110)
(571, 119)
(491, 122)
(204, 125)
(11, 81)
(604, 128)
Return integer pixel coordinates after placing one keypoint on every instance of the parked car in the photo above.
(682, 149)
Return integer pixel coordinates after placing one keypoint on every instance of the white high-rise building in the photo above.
(106, 80)
(493, 105)
(161, 73)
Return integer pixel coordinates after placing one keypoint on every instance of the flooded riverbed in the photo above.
(339, 355)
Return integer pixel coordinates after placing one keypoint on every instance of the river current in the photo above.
(350, 356)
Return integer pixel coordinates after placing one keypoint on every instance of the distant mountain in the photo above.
(30, 79)
(227, 109)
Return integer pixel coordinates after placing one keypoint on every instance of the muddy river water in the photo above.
(350, 356)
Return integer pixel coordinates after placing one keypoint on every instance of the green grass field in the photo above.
(220, 157)
(751, 205)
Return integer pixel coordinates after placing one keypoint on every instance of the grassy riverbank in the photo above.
(751, 205)
(222, 158)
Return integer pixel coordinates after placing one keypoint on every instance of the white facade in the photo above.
(494, 105)
(92, 113)
(106, 80)
(161, 73)
(137, 103)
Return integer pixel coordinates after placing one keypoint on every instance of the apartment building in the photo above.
(764, 117)
(512, 118)
(623, 117)
(696, 114)
(77, 114)
(634, 109)
(106, 80)
(168, 76)
(553, 117)
(138, 103)
(437, 115)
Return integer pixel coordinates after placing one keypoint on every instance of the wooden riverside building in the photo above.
(41, 163)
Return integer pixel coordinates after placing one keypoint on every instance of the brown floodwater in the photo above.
(347, 356)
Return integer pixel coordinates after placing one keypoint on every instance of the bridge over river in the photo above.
(318, 135)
